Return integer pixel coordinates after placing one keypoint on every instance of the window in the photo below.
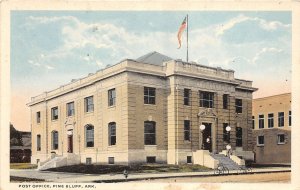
(253, 122)
(89, 136)
(149, 95)
(151, 159)
(290, 118)
(270, 120)
(38, 117)
(186, 95)
(261, 121)
(187, 130)
(280, 119)
(189, 159)
(54, 140)
(70, 109)
(112, 97)
(238, 105)
(239, 136)
(111, 160)
(54, 113)
(112, 134)
(149, 133)
(88, 161)
(89, 104)
(206, 99)
(225, 101)
(260, 140)
(280, 139)
(226, 135)
(38, 142)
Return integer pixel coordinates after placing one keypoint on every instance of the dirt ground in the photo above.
(283, 177)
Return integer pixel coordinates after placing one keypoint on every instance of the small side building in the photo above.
(272, 122)
(21, 153)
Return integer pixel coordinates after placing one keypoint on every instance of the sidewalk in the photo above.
(62, 177)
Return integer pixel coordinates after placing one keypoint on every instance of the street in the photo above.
(282, 177)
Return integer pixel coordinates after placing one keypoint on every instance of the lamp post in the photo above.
(202, 128)
(228, 146)
(228, 129)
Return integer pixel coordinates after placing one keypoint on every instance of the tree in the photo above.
(15, 136)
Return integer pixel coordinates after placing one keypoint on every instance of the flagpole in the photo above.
(187, 38)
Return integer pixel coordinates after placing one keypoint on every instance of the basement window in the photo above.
(111, 160)
(88, 161)
(151, 159)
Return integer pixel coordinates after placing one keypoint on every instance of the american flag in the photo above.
(180, 31)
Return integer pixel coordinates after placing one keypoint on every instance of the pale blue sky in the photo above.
(49, 48)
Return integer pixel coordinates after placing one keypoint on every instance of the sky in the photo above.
(50, 48)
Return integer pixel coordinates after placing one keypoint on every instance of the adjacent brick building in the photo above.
(143, 110)
(272, 120)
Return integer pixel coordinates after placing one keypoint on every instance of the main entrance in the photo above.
(206, 139)
(70, 141)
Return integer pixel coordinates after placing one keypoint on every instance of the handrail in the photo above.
(221, 169)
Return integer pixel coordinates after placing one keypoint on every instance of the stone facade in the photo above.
(276, 148)
(173, 143)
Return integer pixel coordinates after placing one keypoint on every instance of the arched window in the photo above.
(112, 136)
(149, 133)
(54, 140)
(89, 135)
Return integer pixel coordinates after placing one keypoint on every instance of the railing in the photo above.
(244, 169)
(221, 169)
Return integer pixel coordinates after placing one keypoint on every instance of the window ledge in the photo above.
(280, 143)
(149, 104)
(88, 148)
(260, 145)
(113, 106)
(150, 145)
(88, 113)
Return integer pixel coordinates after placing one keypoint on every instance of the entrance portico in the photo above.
(70, 141)
(207, 137)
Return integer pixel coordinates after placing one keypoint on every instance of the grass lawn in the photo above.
(22, 166)
(142, 168)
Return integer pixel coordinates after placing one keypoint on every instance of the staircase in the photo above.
(58, 161)
(53, 163)
(226, 161)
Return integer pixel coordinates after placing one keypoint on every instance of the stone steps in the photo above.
(52, 163)
(226, 161)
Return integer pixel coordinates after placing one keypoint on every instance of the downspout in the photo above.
(46, 124)
(217, 123)
(176, 155)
